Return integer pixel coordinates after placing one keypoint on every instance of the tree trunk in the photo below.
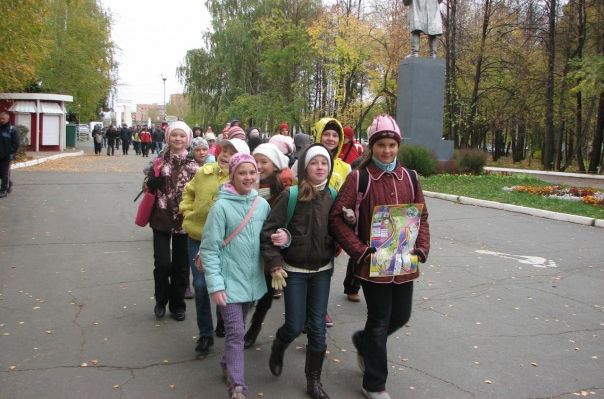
(548, 144)
(596, 147)
(466, 141)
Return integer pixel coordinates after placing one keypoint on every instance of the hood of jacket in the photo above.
(302, 163)
(319, 127)
(227, 192)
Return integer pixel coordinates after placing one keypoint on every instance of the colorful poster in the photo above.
(394, 230)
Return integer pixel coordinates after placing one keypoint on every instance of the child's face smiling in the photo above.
(244, 178)
(265, 166)
(178, 140)
(317, 170)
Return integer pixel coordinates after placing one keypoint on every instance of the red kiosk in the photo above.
(43, 114)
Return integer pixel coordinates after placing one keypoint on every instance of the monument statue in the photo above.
(424, 16)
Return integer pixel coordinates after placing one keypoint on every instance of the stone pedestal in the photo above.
(420, 104)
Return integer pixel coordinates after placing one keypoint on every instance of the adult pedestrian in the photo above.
(159, 134)
(9, 144)
(97, 136)
(176, 168)
(136, 141)
(146, 141)
(126, 137)
(388, 299)
(112, 136)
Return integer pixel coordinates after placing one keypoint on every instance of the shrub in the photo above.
(470, 161)
(418, 158)
(447, 167)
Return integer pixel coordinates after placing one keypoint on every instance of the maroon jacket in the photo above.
(383, 189)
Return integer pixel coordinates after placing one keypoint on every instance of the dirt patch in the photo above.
(92, 164)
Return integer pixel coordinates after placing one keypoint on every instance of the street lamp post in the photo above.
(164, 79)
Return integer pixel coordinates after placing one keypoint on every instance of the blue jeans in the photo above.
(306, 296)
(202, 299)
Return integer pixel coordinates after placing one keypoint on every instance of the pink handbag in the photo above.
(145, 208)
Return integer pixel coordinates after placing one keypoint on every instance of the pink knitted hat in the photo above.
(237, 160)
(383, 126)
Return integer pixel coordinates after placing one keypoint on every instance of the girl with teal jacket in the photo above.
(230, 254)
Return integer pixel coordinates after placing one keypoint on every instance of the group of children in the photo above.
(244, 229)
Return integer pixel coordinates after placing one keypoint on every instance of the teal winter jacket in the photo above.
(236, 268)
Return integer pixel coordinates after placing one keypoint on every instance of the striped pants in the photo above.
(234, 324)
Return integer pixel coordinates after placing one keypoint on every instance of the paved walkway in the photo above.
(508, 306)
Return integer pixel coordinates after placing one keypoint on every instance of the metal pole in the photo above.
(164, 79)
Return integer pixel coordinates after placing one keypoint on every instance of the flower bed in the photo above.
(586, 195)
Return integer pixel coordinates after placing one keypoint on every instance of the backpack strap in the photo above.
(413, 177)
(244, 222)
(291, 203)
(363, 182)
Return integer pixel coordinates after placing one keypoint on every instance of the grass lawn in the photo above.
(490, 187)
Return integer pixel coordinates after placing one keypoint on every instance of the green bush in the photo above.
(418, 158)
(470, 160)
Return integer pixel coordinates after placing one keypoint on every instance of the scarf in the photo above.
(387, 167)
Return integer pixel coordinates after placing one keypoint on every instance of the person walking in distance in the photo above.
(9, 144)
(126, 136)
(380, 180)
(146, 141)
(112, 135)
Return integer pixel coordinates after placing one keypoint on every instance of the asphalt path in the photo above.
(508, 305)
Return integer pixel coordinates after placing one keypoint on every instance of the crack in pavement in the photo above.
(76, 322)
(107, 367)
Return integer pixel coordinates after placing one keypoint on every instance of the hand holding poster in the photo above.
(394, 229)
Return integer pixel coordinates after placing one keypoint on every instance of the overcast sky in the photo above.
(153, 37)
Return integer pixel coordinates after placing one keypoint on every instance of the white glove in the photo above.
(280, 238)
(349, 217)
(278, 279)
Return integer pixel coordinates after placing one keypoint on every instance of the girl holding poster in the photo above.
(381, 180)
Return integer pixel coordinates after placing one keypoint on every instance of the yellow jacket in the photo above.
(340, 168)
(199, 196)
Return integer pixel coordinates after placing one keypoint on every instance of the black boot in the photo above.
(275, 361)
(255, 326)
(314, 365)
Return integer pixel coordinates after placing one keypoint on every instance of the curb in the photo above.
(562, 217)
(543, 172)
(42, 160)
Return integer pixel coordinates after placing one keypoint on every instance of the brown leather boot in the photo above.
(314, 365)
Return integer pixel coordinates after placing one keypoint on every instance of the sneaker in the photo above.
(356, 341)
(277, 294)
(3, 193)
(354, 297)
(328, 320)
(375, 395)
(188, 293)
(237, 393)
